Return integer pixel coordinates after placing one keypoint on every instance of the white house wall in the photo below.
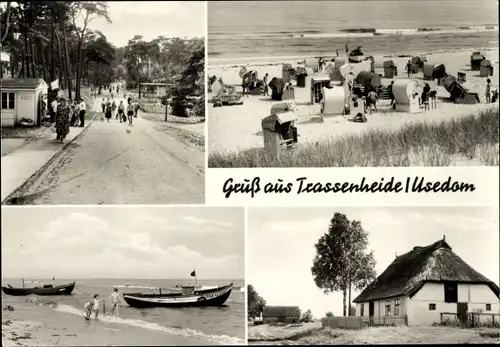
(379, 306)
(476, 295)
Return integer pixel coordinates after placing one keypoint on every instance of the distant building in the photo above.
(22, 98)
(6, 64)
(425, 284)
(281, 314)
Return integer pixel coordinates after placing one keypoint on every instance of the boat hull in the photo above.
(66, 289)
(203, 298)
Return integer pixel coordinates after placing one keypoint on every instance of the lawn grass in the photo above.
(471, 139)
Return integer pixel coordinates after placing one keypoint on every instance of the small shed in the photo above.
(281, 314)
(333, 102)
(486, 69)
(22, 98)
(405, 93)
(475, 61)
(390, 69)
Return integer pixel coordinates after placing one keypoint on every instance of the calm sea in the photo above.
(225, 325)
(250, 29)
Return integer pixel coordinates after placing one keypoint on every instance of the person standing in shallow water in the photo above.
(95, 307)
(115, 302)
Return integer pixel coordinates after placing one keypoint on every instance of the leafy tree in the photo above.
(307, 317)
(255, 303)
(341, 261)
(329, 314)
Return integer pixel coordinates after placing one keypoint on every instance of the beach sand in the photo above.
(238, 128)
(43, 326)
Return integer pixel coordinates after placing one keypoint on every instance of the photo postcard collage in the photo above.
(180, 173)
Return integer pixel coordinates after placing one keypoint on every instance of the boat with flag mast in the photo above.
(180, 296)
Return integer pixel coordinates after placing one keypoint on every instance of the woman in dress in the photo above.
(62, 119)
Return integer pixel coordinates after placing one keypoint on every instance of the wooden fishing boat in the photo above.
(189, 296)
(47, 289)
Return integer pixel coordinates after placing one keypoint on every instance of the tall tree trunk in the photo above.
(59, 58)
(67, 66)
(52, 62)
(349, 303)
(344, 295)
(33, 59)
(78, 69)
(26, 57)
(7, 23)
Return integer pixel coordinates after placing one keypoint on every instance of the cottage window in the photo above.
(432, 307)
(450, 292)
(488, 307)
(8, 101)
(362, 312)
(396, 307)
(387, 308)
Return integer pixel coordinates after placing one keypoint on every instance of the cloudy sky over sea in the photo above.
(123, 242)
(281, 243)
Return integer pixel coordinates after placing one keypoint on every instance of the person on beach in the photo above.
(95, 306)
(488, 91)
(115, 302)
(130, 111)
(408, 68)
(243, 86)
(53, 109)
(82, 108)
(391, 95)
(121, 111)
(346, 50)
(108, 112)
(87, 310)
(337, 51)
(113, 110)
(62, 119)
(266, 86)
(371, 100)
(136, 110)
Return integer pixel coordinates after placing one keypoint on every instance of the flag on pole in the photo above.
(54, 84)
(193, 274)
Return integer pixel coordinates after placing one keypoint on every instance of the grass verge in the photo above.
(471, 140)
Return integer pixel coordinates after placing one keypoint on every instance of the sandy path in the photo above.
(107, 165)
(235, 128)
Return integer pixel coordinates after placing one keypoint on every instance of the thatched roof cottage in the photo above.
(424, 285)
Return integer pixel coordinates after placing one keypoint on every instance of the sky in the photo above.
(280, 246)
(151, 19)
(123, 242)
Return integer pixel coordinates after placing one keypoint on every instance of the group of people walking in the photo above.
(94, 305)
(123, 113)
(67, 114)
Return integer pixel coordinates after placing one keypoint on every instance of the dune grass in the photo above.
(388, 335)
(471, 140)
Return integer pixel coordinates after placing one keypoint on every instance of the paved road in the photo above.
(107, 165)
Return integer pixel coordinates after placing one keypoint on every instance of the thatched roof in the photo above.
(410, 271)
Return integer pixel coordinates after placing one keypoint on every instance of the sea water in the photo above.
(212, 325)
(268, 30)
